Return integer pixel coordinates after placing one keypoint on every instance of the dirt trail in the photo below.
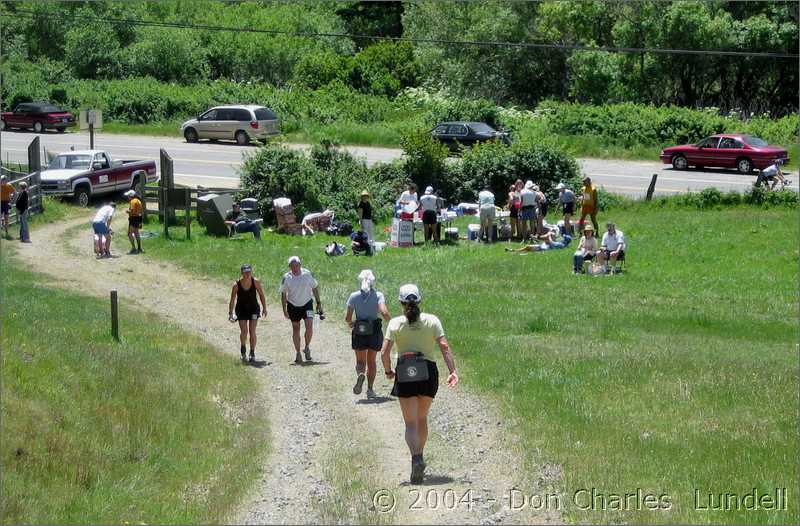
(473, 459)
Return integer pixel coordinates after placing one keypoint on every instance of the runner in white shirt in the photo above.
(297, 288)
(101, 224)
(486, 202)
(612, 248)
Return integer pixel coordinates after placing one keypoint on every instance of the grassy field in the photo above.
(679, 375)
(101, 432)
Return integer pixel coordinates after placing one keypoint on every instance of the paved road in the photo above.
(216, 164)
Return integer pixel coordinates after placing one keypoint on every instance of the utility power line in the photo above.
(476, 43)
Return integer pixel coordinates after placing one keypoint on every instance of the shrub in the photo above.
(425, 159)
(385, 68)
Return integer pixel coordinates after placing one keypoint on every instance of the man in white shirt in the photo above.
(407, 198)
(101, 224)
(612, 247)
(297, 287)
(486, 202)
(428, 203)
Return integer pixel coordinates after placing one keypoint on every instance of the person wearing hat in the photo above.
(364, 211)
(244, 308)
(587, 248)
(430, 212)
(297, 288)
(527, 211)
(6, 196)
(134, 221)
(416, 377)
(487, 213)
(368, 306)
(589, 203)
(101, 224)
(567, 199)
(241, 222)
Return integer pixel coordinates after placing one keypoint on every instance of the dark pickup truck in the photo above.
(81, 174)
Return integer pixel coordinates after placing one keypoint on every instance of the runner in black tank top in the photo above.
(247, 309)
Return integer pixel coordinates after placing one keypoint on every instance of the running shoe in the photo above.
(417, 469)
(132, 252)
(252, 357)
(359, 383)
(307, 352)
(244, 354)
(371, 394)
(298, 358)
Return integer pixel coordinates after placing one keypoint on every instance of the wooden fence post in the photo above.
(164, 200)
(651, 188)
(187, 214)
(114, 315)
(141, 190)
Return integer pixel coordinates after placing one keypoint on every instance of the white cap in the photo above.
(294, 259)
(528, 184)
(429, 190)
(409, 292)
(129, 193)
(561, 186)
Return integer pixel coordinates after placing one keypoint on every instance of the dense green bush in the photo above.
(385, 68)
(326, 178)
(713, 198)
(425, 160)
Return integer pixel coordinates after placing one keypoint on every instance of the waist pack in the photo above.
(411, 367)
(364, 327)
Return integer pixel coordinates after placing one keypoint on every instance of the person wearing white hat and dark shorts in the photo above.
(430, 212)
(416, 377)
(567, 199)
(297, 288)
(243, 307)
(368, 306)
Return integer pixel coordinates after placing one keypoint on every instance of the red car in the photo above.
(37, 116)
(743, 152)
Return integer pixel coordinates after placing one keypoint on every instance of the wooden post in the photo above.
(141, 190)
(188, 213)
(164, 200)
(114, 315)
(651, 188)
(34, 168)
(91, 135)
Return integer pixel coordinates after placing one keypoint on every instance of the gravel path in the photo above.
(474, 460)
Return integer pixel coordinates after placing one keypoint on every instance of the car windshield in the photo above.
(755, 141)
(481, 127)
(70, 162)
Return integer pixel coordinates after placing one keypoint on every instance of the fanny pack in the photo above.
(364, 327)
(411, 367)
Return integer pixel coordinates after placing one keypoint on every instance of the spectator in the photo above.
(6, 196)
(587, 248)
(364, 211)
(315, 217)
(773, 174)
(241, 223)
(612, 248)
(430, 214)
(297, 288)
(589, 203)
(22, 213)
(513, 209)
(486, 202)
(134, 221)
(101, 224)
(567, 199)
(549, 242)
(409, 196)
(527, 211)
(541, 208)
(360, 244)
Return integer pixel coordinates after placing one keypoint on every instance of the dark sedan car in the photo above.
(37, 116)
(462, 133)
(743, 152)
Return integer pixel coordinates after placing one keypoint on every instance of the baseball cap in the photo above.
(429, 190)
(561, 186)
(293, 259)
(409, 292)
(129, 193)
(247, 268)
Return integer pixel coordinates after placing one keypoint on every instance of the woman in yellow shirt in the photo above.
(416, 379)
(589, 203)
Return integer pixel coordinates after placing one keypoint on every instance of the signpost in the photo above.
(91, 120)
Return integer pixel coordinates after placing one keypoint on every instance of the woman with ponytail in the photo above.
(416, 377)
(369, 307)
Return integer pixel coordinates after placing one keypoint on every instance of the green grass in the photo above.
(95, 431)
(680, 374)
(156, 129)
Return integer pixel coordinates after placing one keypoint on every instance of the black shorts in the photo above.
(135, 221)
(299, 313)
(429, 217)
(607, 254)
(372, 342)
(569, 208)
(243, 312)
(427, 387)
(513, 212)
(5, 207)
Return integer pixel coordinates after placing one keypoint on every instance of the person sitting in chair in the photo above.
(612, 248)
(586, 249)
(241, 223)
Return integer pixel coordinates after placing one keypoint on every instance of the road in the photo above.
(215, 165)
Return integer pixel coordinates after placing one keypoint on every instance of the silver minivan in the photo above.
(240, 123)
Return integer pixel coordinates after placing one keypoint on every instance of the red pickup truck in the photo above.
(37, 116)
(81, 174)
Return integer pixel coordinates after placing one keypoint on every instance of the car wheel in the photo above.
(61, 130)
(679, 162)
(744, 165)
(241, 138)
(37, 127)
(190, 134)
(82, 196)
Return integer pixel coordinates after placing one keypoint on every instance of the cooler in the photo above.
(473, 230)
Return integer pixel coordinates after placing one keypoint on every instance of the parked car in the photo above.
(38, 116)
(743, 152)
(240, 123)
(81, 174)
(462, 133)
